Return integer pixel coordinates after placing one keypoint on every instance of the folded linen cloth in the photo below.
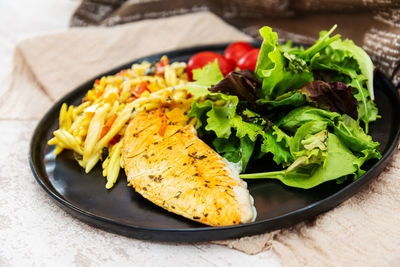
(362, 230)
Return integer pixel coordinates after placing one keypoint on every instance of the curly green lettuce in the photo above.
(301, 106)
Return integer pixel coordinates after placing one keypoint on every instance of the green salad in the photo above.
(304, 113)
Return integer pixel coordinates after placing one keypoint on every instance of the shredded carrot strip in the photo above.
(108, 125)
(99, 93)
(131, 99)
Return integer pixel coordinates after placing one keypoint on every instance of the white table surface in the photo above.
(36, 232)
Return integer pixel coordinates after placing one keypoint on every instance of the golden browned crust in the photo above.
(176, 170)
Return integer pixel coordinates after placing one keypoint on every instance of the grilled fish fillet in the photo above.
(170, 166)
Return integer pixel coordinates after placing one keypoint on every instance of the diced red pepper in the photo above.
(140, 89)
(163, 62)
(160, 66)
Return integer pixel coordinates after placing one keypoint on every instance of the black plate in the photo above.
(123, 211)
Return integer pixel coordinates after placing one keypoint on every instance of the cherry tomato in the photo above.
(201, 59)
(249, 60)
(237, 50)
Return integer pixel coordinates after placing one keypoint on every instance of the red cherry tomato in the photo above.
(201, 59)
(249, 60)
(237, 50)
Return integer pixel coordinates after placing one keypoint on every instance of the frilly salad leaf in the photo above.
(215, 112)
(275, 141)
(282, 69)
(303, 132)
(204, 78)
(278, 70)
(313, 153)
(209, 75)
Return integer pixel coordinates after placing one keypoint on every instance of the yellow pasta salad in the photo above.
(93, 129)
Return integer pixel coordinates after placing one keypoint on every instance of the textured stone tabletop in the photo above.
(34, 231)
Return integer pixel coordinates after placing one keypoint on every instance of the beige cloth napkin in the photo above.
(362, 231)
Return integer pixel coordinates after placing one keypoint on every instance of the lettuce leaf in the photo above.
(340, 161)
(334, 96)
(209, 75)
(234, 149)
(312, 154)
(278, 70)
(275, 141)
(350, 132)
(323, 41)
(241, 83)
(306, 130)
(215, 112)
(299, 116)
(204, 78)
(289, 99)
(364, 62)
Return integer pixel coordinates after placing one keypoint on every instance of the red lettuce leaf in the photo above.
(334, 96)
(242, 84)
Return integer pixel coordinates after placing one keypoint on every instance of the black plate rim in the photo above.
(310, 210)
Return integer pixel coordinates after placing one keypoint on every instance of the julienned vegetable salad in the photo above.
(306, 110)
